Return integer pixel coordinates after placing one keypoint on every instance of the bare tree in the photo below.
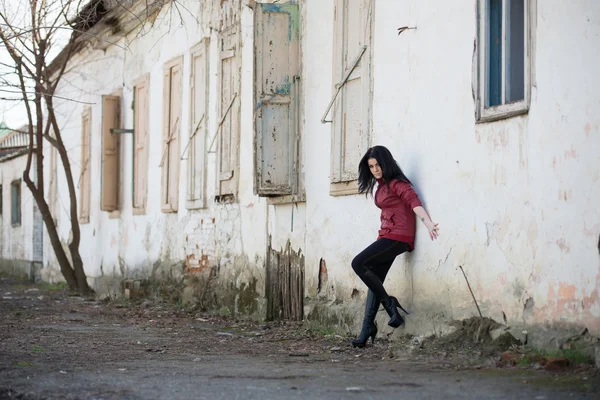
(33, 33)
(41, 36)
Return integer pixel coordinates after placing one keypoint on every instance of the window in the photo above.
(352, 107)
(171, 125)
(504, 65)
(111, 110)
(277, 69)
(140, 144)
(228, 135)
(15, 202)
(196, 149)
(85, 175)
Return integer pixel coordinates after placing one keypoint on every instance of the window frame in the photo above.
(504, 110)
(229, 113)
(169, 202)
(346, 185)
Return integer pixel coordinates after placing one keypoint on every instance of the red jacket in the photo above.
(397, 215)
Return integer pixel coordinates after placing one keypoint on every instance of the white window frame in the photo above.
(503, 110)
(345, 184)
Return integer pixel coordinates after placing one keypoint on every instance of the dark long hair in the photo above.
(389, 167)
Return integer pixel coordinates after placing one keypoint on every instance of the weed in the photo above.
(24, 364)
(39, 349)
(54, 287)
(575, 356)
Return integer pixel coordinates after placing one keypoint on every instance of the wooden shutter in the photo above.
(229, 135)
(352, 111)
(140, 166)
(111, 107)
(171, 126)
(84, 185)
(174, 153)
(276, 57)
(199, 118)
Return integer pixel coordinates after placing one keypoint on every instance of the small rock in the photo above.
(556, 363)
(122, 369)
(335, 349)
(496, 333)
(198, 359)
(355, 389)
(202, 319)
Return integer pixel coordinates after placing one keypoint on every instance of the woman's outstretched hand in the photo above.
(433, 229)
(424, 217)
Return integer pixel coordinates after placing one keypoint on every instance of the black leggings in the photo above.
(373, 263)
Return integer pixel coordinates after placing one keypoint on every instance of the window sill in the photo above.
(195, 205)
(500, 113)
(139, 211)
(343, 188)
(289, 199)
(114, 214)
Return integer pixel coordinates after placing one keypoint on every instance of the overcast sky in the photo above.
(11, 112)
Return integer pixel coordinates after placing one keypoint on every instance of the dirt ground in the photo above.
(56, 346)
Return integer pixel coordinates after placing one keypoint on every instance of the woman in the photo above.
(397, 201)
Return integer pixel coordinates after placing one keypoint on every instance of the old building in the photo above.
(20, 221)
(222, 137)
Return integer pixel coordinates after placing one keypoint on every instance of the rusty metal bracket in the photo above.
(342, 83)
(221, 123)
(192, 137)
(172, 132)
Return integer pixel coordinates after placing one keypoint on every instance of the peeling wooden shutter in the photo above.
(164, 201)
(111, 106)
(84, 178)
(352, 111)
(176, 81)
(229, 135)
(140, 172)
(199, 118)
(277, 67)
(171, 127)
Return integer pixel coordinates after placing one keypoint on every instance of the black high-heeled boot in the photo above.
(369, 329)
(391, 305)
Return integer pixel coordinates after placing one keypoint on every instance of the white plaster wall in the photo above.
(515, 198)
(130, 246)
(16, 241)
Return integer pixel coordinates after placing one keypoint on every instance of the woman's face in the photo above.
(375, 168)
